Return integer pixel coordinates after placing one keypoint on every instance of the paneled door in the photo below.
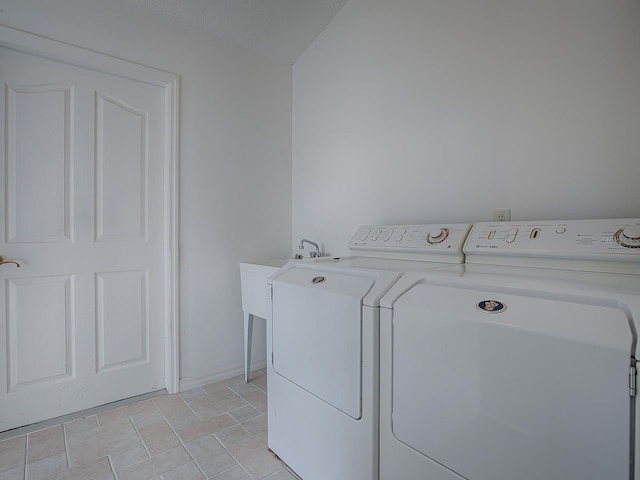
(83, 213)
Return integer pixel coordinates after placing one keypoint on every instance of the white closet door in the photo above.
(82, 201)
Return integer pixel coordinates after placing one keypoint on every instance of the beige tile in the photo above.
(200, 429)
(94, 443)
(9, 461)
(215, 403)
(147, 418)
(82, 424)
(256, 425)
(128, 456)
(258, 399)
(210, 455)
(13, 445)
(227, 416)
(182, 420)
(232, 435)
(193, 393)
(12, 453)
(260, 381)
(188, 471)
(224, 384)
(170, 405)
(124, 412)
(47, 466)
(96, 470)
(155, 466)
(158, 437)
(235, 473)
(245, 413)
(282, 475)
(255, 457)
(16, 473)
(45, 443)
(242, 388)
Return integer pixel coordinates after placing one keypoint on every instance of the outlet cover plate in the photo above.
(502, 215)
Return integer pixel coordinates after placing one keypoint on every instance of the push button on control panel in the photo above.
(386, 235)
(364, 235)
(511, 235)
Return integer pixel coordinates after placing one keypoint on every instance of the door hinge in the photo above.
(271, 358)
(632, 381)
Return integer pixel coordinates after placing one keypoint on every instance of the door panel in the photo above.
(39, 119)
(83, 317)
(121, 173)
(123, 318)
(39, 308)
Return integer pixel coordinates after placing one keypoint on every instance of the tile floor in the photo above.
(218, 432)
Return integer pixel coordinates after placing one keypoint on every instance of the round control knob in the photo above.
(629, 236)
(437, 235)
(632, 232)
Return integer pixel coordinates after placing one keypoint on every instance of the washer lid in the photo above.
(381, 274)
(317, 333)
(493, 384)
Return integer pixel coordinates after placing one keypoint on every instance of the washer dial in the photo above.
(628, 237)
(437, 235)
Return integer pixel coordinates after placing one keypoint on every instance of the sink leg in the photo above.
(248, 333)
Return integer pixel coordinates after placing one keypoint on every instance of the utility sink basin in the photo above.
(253, 280)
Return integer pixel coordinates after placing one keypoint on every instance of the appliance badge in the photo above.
(491, 306)
(317, 280)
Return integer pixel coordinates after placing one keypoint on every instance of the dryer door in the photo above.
(317, 333)
(518, 388)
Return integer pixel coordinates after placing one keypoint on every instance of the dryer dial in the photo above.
(437, 235)
(629, 236)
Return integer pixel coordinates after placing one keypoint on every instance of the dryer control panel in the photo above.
(572, 244)
(436, 242)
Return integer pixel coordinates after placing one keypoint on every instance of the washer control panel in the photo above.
(410, 241)
(615, 240)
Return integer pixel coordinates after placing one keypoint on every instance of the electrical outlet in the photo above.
(502, 215)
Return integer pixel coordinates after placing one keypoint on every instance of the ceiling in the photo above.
(279, 29)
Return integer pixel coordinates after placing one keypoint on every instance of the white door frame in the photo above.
(44, 47)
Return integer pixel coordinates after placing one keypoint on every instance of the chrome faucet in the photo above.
(311, 254)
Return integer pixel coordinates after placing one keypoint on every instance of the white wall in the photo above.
(235, 160)
(443, 110)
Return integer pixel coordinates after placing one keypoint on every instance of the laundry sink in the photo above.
(253, 280)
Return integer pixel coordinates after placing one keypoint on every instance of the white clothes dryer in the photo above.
(322, 342)
(520, 364)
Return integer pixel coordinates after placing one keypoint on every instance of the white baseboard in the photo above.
(219, 374)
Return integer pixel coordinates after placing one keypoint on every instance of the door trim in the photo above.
(170, 83)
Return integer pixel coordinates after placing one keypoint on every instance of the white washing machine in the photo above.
(521, 364)
(323, 338)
